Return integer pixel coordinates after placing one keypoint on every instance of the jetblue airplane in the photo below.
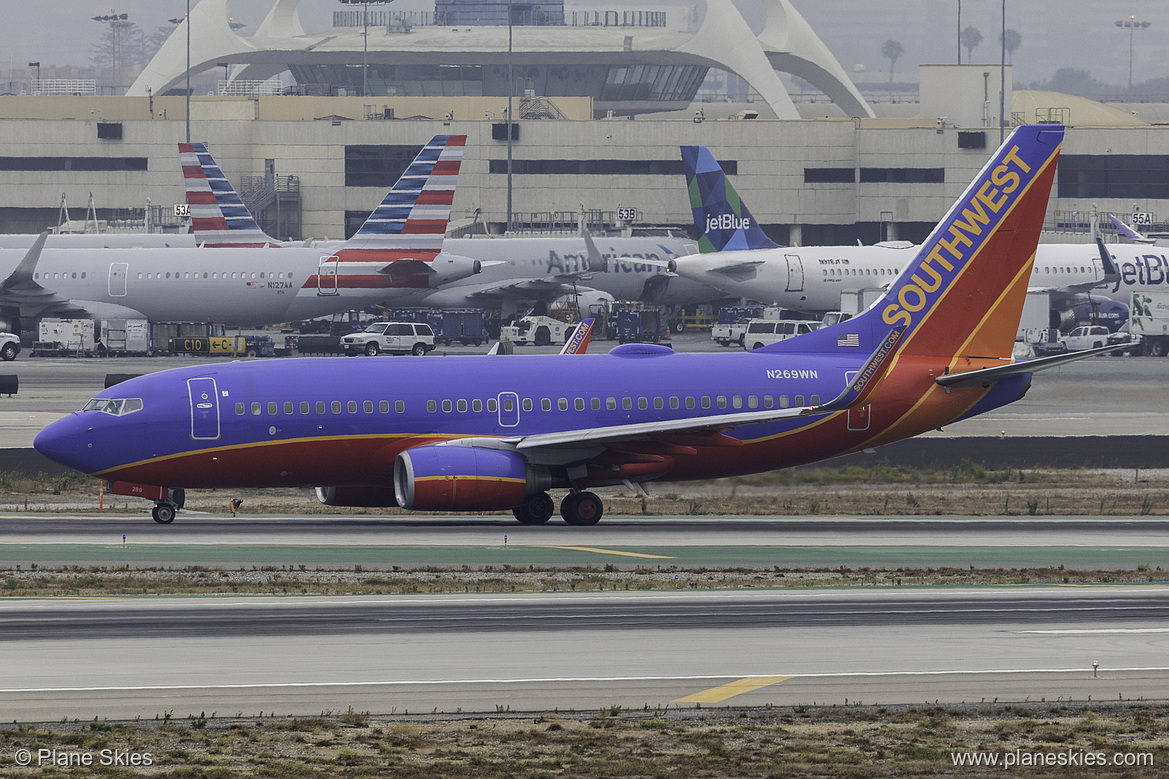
(517, 270)
(497, 432)
(739, 259)
(398, 249)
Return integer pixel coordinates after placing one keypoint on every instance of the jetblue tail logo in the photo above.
(721, 219)
(218, 216)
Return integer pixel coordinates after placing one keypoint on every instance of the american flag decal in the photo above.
(849, 339)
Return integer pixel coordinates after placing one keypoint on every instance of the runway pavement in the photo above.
(453, 541)
(122, 658)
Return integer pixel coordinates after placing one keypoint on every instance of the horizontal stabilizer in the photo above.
(987, 376)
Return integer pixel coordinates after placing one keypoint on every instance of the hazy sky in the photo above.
(1056, 33)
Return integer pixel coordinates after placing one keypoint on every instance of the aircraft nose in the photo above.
(64, 442)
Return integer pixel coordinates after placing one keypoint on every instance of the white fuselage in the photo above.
(526, 264)
(235, 286)
(812, 278)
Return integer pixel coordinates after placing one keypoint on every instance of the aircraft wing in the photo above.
(21, 290)
(1111, 276)
(856, 393)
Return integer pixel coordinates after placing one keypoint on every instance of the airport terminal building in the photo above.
(315, 161)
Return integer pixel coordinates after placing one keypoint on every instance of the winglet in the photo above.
(1128, 232)
(596, 261)
(579, 342)
(1111, 272)
(23, 272)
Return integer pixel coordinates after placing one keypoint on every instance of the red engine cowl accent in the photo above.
(462, 478)
(373, 497)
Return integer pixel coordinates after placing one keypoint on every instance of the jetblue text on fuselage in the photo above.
(726, 221)
(1145, 270)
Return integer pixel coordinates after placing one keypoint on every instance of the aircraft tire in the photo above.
(581, 509)
(371, 349)
(418, 350)
(535, 510)
(8, 353)
(543, 337)
(163, 513)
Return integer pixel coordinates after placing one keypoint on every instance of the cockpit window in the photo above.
(117, 407)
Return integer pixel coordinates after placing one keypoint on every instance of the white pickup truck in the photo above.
(1086, 337)
(9, 346)
(390, 337)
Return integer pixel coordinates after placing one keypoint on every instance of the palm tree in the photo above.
(970, 38)
(892, 51)
(1013, 41)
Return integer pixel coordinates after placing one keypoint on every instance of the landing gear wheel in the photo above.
(536, 509)
(581, 508)
(543, 336)
(418, 350)
(8, 353)
(371, 349)
(163, 513)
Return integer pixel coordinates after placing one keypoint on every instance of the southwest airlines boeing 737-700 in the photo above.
(485, 433)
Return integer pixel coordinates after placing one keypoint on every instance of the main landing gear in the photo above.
(164, 511)
(577, 508)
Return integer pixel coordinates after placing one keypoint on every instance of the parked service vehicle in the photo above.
(538, 330)
(467, 326)
(1149, 319)
(764, 332)
(391, 337)
(732, 324)
(9, 346)
(1086, 337)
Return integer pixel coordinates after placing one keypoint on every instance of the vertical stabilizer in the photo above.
(721, 219)
(219, 217)
(411, 221)
(962, 296)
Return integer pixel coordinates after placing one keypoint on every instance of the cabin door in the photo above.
(118, 273)
(795, 273)
(327, 276)
(204, 408)
(509, 409)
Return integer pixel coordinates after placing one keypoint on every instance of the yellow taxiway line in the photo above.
(719, 694)
(606, 551)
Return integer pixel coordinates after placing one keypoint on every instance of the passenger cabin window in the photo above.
(476, 405)
(446, 406)
(320, 407)
(336, 406)
(527, 404)
(352, 405)
(239, 409)
(288, 407)
(461, 406)
(272, 407)
(627, 403)
(383, 406)
(256, 409)
(706, 401)
(400, 406)
(431, 406)
(546, 404)
(491, 405)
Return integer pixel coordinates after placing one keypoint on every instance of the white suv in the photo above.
(390, 337)
(9, 346)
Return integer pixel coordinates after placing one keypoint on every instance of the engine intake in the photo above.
(461, 478)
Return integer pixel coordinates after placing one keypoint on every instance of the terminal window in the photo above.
(1128, 176)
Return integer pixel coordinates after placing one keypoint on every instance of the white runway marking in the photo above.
(567, 679)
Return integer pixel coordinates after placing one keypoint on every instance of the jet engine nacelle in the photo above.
(463, 478)
(371, 497)
(446, 268)
(1110, 313)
